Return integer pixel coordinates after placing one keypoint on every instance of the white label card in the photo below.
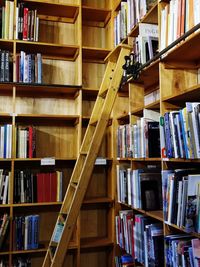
(47, 161)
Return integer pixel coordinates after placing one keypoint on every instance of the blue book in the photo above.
(35, 232)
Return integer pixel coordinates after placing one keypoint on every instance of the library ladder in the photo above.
(85, 162)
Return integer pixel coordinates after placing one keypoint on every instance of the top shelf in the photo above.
(98, 17)
(49, 11)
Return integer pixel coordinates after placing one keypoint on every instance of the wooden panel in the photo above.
(59, 33)
(175, 81)
(97, 3)
(95, 54)
(94, 258)
(6, 104)
(56, 141)
(59, 106)
(93, 74)
(121, 106)
(87, 107)
(93, 223)
(98, 184)
(59, 72)
(97, 15)
(136, 96)
(94, 37)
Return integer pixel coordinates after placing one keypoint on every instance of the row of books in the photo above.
(26, 232)
(140, 188)
(140, 237)
(131, 12)
(182, 250)
(146, 44)
(22, 262)
(141, 139)
(4, 222)
(5, 66)
(27, 23)
(6, 20)
(177, 17)
(5, 141)
(152, 97)
(180, 130)
(3, 263)
(30, 187)
(26, 142)
(29, 68)
(181, 198)
(4, 186)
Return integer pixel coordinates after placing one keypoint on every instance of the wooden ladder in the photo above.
(85, 162)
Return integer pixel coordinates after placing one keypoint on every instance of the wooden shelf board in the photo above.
(138, 111)
(124, 117)
(191, 94)
(31, 251)
(183, 54)
(21, 205)
(181, 160)
(47, 119)
(5, 205)
(96, 15)
(154, 105)
(97, 200)
(4, 253)
(46, 89)
(146, 159)
(150, 17)
(49, 50)
(39, 159)
(50, 9)
(149, 76)
(95, 242)
(183, 229)
(95, 54)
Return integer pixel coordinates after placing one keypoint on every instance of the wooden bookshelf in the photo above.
(74, 39)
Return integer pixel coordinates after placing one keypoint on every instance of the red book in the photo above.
(25, 24)
(40, 187)
(53, 187)
(183, 17)
(47, 188)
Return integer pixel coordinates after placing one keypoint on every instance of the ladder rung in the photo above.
(52, 245)
(103, 93)
(93, 123)
(83, 152)
(74, 185)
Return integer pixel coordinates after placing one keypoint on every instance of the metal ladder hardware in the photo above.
(83, 168)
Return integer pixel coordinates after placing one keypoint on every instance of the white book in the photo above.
(172, 116)
(22, 195)
(129, 185)
(171, 190)
(11, 21)
(118, 183)
(180, 187)
(183, 201)
(5, 191)
(26, 233)
(16, 22)
(2, 142)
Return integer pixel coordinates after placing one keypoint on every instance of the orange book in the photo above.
(179, 19)
(191, 14)
(182, 17)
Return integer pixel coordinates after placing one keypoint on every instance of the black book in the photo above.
(153, 139)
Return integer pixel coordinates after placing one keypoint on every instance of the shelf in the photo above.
(21, 205)
(95, 242)
(6, 44)
(49, 50)
(151, 17)
(181, 160)
(191, 94)
(39, 159)
(30, 251)
(183, 229)
(149, 76)
(92, 54)
(116, 5)
(101, 200)
(35, 88)
(156, 214)
(124, 118)
(39, 118)
(154, 105)
(54, 11)
(182, 55)
(98, 17)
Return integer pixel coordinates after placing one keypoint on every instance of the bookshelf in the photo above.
(170, 79)
(74, 38)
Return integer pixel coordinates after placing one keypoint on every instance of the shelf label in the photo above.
(100, 161)
(47, 161)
